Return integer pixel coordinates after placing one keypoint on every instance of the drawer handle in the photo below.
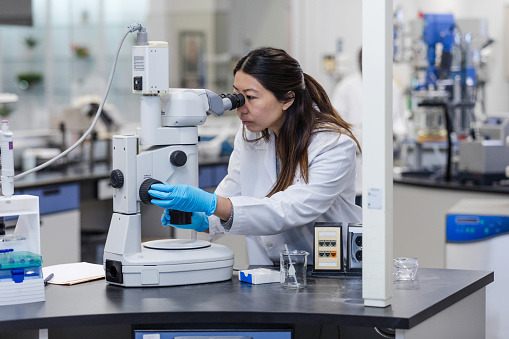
(52, 191)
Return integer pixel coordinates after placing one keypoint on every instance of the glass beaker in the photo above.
(430, 107)
(406, 268)
(293, 268)
(430, 124)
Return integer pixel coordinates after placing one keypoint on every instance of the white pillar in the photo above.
(377, 156)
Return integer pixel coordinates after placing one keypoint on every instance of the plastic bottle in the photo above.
(7, 156)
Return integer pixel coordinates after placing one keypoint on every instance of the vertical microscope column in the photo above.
(150, 108)
(377, 32)
(124, 235)
(125, 197)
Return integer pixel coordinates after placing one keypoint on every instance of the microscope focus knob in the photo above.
(178, 158)
(117, 178)
(145, 197)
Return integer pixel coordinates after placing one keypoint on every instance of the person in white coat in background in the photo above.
(347, 100)
(293, 164)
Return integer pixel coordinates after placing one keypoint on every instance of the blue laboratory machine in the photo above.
(477, 238)
(447, 86)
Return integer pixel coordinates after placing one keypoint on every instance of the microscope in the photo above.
(164, 149)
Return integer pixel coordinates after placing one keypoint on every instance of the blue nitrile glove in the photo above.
(200, 221)
(183, 198)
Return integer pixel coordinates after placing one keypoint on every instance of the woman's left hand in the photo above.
(200, 221)
(183, 198)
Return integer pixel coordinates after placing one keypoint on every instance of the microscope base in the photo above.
(154, 267)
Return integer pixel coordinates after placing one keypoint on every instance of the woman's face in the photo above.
(262, 110)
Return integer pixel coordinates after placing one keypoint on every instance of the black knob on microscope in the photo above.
(178, 158)
(180, 218)
(145, 197)
(117, 178)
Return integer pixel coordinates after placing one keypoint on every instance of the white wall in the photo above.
(317, 26)
(249, 25)
(258, 23)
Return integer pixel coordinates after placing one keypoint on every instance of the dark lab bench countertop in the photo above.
(430, 182)
(335, 301)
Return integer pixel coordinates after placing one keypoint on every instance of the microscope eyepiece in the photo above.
(233, 101)
(238, 100)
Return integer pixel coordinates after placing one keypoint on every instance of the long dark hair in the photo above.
(310, 112)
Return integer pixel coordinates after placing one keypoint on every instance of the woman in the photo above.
(293, 164)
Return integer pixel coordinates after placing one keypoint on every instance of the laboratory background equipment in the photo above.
(451, 56)
(447, 91)
(21, 278)
(164, 150)
(75, 118)
(477, 238)
(483, 161)
(7, 157)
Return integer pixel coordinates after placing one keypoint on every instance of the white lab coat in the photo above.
(287, 217)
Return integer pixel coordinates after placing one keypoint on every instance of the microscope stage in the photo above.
(172, 267)
(176, 244)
